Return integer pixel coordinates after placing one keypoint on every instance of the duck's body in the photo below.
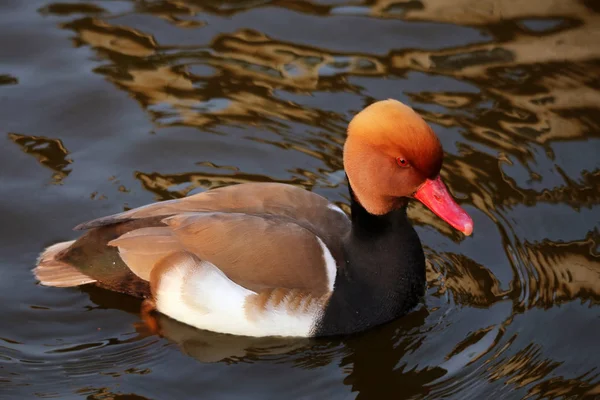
(259, 259)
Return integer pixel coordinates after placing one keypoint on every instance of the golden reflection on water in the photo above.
(249, 66)
(557, 273)
(537, 89)
(162, 184)
(49, 152)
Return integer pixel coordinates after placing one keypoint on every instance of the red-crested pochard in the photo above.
(267, 259)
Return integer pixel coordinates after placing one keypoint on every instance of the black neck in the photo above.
(384, 275)
(366, 225)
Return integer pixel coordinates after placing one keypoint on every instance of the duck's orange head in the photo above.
(392, 154)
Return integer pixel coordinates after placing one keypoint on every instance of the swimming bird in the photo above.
(270, 259)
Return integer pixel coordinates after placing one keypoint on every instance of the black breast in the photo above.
(384, 275)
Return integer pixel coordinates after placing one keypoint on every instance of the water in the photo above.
(108, 105)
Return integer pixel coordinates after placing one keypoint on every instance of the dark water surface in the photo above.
(106, 105)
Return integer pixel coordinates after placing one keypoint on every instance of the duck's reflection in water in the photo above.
(367, 358)
(376, 363)
(207, 346)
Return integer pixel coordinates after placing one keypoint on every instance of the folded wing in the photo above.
(256, 252)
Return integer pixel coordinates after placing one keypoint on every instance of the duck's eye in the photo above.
(401, 161)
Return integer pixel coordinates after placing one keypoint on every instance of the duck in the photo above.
(272, 259)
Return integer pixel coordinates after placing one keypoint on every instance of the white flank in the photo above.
(330, 265)
(197, 293)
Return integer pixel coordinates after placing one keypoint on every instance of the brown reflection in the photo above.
(114, 41)
(256, 65)
(49, 152)
(480, 177)
(172, 8)
(527, 367)
(582, 387)
(93, 393)
(556, 272)
(536, 78)
(6, 79)
(291, 66)
(468, 12)
(524, 367)
(472, 338)
(471, 284)
(561, 272)
(162, 185)
(245, 67)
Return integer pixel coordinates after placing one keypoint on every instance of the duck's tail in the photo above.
(52, 272)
